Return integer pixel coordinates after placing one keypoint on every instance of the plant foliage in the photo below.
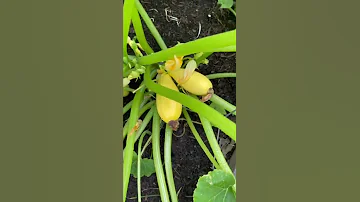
(215, 187)
(226, 3)
(147, 167)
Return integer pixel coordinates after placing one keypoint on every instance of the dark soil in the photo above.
(189, 160)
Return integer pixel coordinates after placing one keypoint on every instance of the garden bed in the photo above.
(195, 19)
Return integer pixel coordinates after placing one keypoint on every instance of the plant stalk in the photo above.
(139, 31)
(199, 140)
(221, 75)
(157, 158)
(227, 106)
(150, 25)
(129, 6)
(168, 164)
(206, 44)
(143, 110)
(145, 122)
(139, 166)
(216, 118)
(127, 107)
(128, 151)
(215, 147)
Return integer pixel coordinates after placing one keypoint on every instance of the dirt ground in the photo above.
(189, 160)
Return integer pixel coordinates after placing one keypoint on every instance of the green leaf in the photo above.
(218, 108)
(226, 3)
(215, 187)
(147, 166)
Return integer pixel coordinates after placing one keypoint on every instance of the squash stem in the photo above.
(157, 158)
(215, 147)
(168, 164)
(199, 140)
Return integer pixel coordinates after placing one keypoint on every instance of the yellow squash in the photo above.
(169, 110)
(196, 83)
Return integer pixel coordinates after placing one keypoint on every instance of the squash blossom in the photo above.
(173, 64)
(192, 81)
(169, 110)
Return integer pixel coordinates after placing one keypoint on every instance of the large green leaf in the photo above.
(215, 187)
(147, 166)
(226, 3)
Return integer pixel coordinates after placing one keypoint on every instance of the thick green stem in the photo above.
(215, 146)
(136, 21)
(129, 6)
(146, 99)
(143, 109)
(146, 107)
(206, 44)
(145, 122)
(141, 112)
(225, 104)
(127, 107)
(139, 167)
(150, 25)
(216, 118)
(168, 164)
(139, 162)
(125, 129)
(199, 140)
(157, 158)
(221, 75)
(134, 115)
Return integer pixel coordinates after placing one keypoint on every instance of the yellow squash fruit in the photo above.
(169, 110)
(196, 83)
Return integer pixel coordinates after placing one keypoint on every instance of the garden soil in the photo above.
(188, 20)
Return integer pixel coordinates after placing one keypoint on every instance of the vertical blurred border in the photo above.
(298, 103)
(60, 101)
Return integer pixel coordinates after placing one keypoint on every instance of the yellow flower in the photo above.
(174, 64)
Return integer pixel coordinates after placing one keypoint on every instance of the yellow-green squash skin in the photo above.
(169, 110)
(197, 84)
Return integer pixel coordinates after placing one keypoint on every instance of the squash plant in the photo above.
(171, 87)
